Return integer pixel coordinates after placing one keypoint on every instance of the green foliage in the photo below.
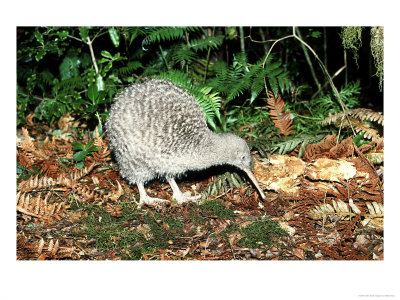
(222, 183)
(82, 152)
(209, 42)
(217, 209)
(86, 82)
(321, 106)
(232, 81)
(159, 34)
(66, 86)
(24, 173)
(80, 70)
(275, 145)
(83, 82)
(359, 140)
(114, 36)
(261, 233)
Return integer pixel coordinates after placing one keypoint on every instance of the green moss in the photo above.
(160, 236)
(195, 217)
(110, 235)
(377, 51)
(351, 39)
(232, 228)
(216, 208)
(174, 224)
(261, 233)
(108, 232)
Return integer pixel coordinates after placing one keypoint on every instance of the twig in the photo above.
(269, 52)
(309, 62)
(241, 39)
(208, 59)
(163, 57)
(74, 38)
(325, 48)
(263, 39)
(99, 34)
(333, 76)
(89, 43)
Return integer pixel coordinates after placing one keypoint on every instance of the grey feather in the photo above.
(157, 130)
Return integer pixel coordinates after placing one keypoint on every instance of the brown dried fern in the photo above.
(104, 154)
(53, 250)
(79, 173)
(36, 183)
(345, 211)
(50, 168)
(282, 120)
(39, 208)
(368, 114)
(44, 157)
(356, 118)
(369, 133)
(314, 151)
(344, 149)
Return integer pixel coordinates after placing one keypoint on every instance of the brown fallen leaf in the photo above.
(299, 253)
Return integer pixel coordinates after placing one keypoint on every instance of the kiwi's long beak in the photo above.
(255, 182)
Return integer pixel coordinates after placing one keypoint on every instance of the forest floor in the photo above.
(88, 212)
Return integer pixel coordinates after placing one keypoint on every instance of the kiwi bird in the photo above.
(157, 130)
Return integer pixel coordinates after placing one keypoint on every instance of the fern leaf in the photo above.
(355, 117)
(345, 211)
(365, 128)
(159, 34)
(367, 114)
(130, 68)
(222, 183)
(213, 42)
(282, 120)
(285, 147)
(182, 54)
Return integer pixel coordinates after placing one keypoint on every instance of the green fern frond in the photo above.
(133, 32)
(238, 88)
(284, 82)
(210, 103)
(289, 145)
(222, 184)
(178, 77)
(159, 34)
(130, 68)
(324, 104)
(261, 144)
(240, 60)
(182, 54)
(69, 85)
(200, 65)
(256, 88)
(46, 77)
(213, 42)
(234, 80)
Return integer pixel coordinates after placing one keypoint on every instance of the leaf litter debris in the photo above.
(327, 207)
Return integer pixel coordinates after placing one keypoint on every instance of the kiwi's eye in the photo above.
(243, 157)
